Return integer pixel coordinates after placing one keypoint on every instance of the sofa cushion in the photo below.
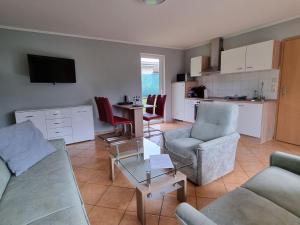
(44, 191)
(279, 186)
(244, 207)
(214, 120)
(4, 177)
(185, 148)
(22, 145)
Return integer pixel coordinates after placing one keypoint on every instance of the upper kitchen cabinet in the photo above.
(198, 65)
(260, 56)
(233, 60)
(263, 56)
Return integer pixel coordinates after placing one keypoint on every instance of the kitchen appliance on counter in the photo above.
(197, 92)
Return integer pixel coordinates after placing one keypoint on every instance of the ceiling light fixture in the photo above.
(154, 2)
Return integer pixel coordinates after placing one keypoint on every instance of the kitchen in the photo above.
(247, 76)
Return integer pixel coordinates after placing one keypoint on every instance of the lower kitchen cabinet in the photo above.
(189, 110)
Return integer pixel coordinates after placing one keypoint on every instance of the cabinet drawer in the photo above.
(57, 123)
(59, 132)
(58, 113)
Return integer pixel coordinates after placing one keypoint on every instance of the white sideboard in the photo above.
(74, 124)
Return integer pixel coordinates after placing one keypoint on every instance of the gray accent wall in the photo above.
(276, 32)
(102, 69)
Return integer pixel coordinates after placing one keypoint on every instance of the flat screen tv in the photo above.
(45, 69)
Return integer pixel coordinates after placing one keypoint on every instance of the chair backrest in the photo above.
(160, 105)
(108, 111)
(101, 111)
(215, 120)
(150, 101)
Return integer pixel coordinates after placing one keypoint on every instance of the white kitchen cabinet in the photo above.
(233, 60)
(189, 110)
(178, 96)
(262, 56)
(74, 124)
(256, 57)
(198, 65)
(250, 119)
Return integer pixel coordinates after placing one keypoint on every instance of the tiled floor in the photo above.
(110, 203)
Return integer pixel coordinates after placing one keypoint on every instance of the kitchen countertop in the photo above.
(231, 100)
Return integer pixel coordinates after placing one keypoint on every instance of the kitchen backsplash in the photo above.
(220, 85)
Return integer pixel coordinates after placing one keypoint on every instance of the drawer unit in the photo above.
(57, 113)
(74, 124)
(57, 123)
(60, 132)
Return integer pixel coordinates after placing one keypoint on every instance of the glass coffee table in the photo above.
(132, 158)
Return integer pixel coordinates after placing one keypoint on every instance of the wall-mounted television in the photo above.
(45, 69)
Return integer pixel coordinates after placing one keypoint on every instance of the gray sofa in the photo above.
(272, 197)
(46, 194)
(209, 145)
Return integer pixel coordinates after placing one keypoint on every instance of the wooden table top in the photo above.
(129, 107)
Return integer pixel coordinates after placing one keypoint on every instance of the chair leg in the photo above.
(149, 128)
(131, 132)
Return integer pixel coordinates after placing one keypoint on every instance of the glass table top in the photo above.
(132, 157)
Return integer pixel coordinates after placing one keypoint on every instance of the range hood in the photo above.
(216, 46)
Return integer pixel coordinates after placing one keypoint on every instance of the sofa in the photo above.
(209, 145)
(272, 197)
(46, 194)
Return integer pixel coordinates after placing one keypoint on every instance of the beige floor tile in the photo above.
(117, 197)
(105, 216)
(91, 193)
(202, 202)
(122, 181)
(130, 218)
(88, 208)
(84, 174)
(170, 203)
(167, 221)
(213, 190)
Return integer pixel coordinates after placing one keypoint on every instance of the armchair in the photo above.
(209, 145)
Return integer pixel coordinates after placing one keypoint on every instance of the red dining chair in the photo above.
(159, 112)
(115, 120)
(101, 111)
(150, 101)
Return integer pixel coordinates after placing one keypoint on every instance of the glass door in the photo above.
(152, 75)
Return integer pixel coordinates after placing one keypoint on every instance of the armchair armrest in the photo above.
(286, 161)
(232, 138)
(187, 215)
(184, 132)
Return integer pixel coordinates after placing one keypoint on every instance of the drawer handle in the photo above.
(249, 67)
(29, 116)
(56, 123)
(57, 132)
(55, 114)
(239, 68)
(81, 111)
(241, 105)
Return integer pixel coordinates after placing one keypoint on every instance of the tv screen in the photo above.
(45, 69)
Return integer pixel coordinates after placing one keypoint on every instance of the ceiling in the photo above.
(175, 24)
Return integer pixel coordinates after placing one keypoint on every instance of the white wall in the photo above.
(221, 85)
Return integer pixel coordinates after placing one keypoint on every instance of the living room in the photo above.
(203, 90)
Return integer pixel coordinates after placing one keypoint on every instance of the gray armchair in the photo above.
(209, 145)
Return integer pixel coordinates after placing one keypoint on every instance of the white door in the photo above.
(250, 119)
(260, 56)
(189, 110)
(36, 117)
(152, 76)
(196, 66)
(233, 60)
(82, 123)
(178, 90)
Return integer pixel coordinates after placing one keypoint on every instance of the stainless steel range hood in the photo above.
(216, 46)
